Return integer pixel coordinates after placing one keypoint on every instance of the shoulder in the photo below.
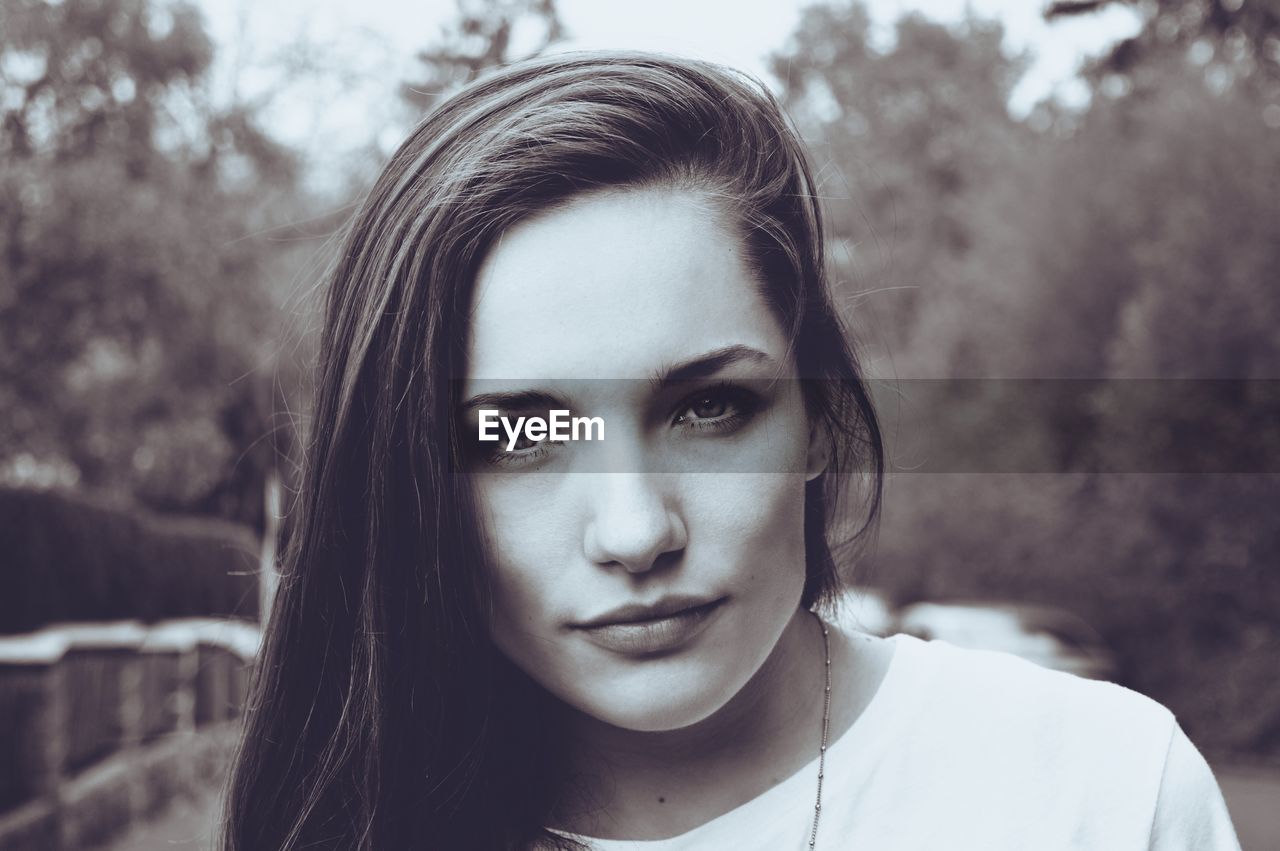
(1190, 812)
(1015, 694)
(1077, 757)
(977, 749)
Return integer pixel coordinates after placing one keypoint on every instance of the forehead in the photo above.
(615, 285)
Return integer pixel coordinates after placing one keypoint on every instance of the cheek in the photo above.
(753, 523)
(766, 510)
(529, 551)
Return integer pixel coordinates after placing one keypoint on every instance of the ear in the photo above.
(819, 454)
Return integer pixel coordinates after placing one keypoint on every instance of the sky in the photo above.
(355, 54)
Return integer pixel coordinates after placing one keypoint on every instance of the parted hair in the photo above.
(382, 716)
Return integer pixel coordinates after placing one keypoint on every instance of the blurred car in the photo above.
(1048, 636)
(864, 610)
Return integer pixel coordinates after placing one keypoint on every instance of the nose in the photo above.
(632, 522)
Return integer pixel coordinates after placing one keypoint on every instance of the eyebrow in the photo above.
(708, 364)
(516, 400)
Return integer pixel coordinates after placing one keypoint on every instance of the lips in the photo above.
(637, 630)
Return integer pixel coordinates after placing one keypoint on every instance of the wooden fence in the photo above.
(102, 724)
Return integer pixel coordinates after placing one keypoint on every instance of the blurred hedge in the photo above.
(1177, 572)
(69, 557)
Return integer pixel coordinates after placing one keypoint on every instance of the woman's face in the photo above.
(634, 577)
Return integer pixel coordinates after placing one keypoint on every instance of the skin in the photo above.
(628, 284)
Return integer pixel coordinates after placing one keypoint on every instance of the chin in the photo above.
(661, 701)
(657, 717)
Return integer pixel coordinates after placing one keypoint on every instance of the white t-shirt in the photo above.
(970, 749)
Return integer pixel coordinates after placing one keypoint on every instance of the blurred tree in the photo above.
(1240, 35)
(908, 139)
(134, 326)
(1136, 242)
(486, 34)
(1205, 303)
(1148, 236)
(1203, 168)
(1134, 239)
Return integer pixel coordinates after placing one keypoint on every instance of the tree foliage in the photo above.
(485, 34)
(906, 138)
(1244, 35)
(134, 322)
(1134, 240)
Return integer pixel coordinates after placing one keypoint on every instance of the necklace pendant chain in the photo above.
(826, 725)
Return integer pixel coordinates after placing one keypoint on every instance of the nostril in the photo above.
(631, 524)
(632, 521)
(640, 551)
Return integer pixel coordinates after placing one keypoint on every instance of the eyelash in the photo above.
(520, 457)
(744, 403)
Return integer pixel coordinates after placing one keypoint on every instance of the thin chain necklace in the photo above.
(826, 725)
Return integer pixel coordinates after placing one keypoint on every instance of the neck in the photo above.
(660, 782)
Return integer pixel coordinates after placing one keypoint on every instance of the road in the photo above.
(1253, 797)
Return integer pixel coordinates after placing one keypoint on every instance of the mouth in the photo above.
(638, 630)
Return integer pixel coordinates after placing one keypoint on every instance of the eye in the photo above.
(522, 443)
(722, 408)
(525, 453)
(709, 406)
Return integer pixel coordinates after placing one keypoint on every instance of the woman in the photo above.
(527, 642)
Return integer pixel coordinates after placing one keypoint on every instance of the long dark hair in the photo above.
(382, 716)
